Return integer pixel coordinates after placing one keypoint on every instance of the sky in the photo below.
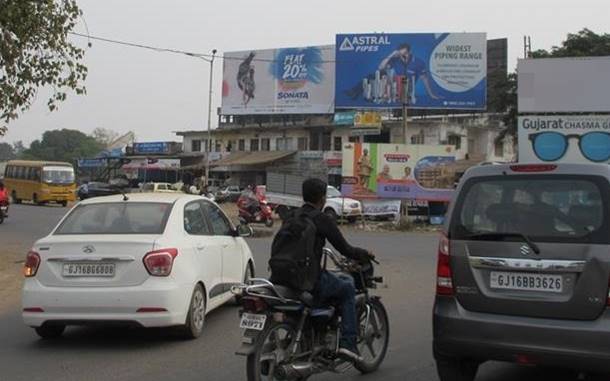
(154, 94)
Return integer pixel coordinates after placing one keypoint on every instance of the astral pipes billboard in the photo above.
(442, 71)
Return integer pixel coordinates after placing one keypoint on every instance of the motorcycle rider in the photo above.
(329, 286)
(3, 195)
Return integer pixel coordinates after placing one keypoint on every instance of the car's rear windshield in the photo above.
(117, 218)
(550, 208)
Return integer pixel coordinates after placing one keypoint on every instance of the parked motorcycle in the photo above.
(286, 337)
(255, 212)
(3, 210)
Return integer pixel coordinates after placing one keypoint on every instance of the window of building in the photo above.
(265, 145)
(253, 145)
(196, 145)
(499, 148)
(326, 140)
(418, 139)
(217, 146)
(230, 145)
(455, 140)
(285, 144)
(337, 143)
(302, 144)
(241, 145)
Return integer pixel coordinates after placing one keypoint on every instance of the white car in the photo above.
(158, 188)
(153, 259)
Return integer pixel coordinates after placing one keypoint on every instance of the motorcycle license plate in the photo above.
(253, 321)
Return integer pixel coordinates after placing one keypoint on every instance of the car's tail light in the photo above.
(444, 282)
(533, 167)
(32, 262)
(160, 262)
(253, 304)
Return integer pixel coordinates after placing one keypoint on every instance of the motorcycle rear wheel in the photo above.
(373, 339)
(272, 344)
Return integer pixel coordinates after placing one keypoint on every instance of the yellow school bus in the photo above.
(40, 181)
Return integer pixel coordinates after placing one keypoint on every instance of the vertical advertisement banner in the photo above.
(445, 71)
(279, 81)
(564, 139)
(398, 171)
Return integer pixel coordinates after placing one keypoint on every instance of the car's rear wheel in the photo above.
(450, 369)
(195, 318)
(50, 331)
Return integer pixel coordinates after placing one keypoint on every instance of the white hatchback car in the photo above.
(154, 260)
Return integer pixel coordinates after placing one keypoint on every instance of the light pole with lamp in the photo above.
(209, 140)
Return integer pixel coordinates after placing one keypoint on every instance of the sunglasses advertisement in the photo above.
(572, 139)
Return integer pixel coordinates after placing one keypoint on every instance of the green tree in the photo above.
(585, 43)
(63, 145)
(35, 52)
(104, 136)
(7, 152)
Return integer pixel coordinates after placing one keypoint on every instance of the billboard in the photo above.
(398, 171)
(564, 84)
(443, 71)
(151, 148)
(567, 139)
(279, 81)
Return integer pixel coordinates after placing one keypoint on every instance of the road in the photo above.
(408, 265)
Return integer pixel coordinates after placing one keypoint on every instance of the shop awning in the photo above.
(252, 158)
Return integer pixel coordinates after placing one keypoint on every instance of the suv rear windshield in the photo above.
(545, 208)
(117, 218)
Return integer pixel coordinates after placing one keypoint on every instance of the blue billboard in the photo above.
(423, 70)
(151, 148)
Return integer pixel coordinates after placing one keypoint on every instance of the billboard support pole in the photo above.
(405, 102)
(209, 142)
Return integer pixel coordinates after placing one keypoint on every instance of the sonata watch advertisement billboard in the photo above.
(279, 81)
(564, 139)
(423, 70)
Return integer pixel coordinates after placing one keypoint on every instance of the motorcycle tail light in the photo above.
(253, 304)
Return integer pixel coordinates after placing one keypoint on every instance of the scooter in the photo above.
(262, 214)
(3, 210)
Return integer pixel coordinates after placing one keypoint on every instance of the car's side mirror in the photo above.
(244, 230)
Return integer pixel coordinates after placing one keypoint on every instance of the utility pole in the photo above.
(527, 46)
(209, 140)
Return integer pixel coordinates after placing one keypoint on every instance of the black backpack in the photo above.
(293, 259)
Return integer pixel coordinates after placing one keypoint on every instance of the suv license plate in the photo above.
(253, 321)
(526, 281)
(88, 269)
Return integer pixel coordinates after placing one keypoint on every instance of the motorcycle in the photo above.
(3, 210)
(286, 337)
(262, 212)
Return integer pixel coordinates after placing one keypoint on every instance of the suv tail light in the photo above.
(32, 262)
(160, 262)
(444, 282)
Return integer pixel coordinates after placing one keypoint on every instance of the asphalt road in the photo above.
(408, 265)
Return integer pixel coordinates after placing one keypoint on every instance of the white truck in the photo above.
(336, 206)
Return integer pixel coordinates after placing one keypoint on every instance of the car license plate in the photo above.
(253, 321)
(88, 269)
(526, 281)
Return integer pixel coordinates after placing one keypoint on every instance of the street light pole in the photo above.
(209, 142)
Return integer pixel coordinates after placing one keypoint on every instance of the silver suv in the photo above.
(523, 270)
